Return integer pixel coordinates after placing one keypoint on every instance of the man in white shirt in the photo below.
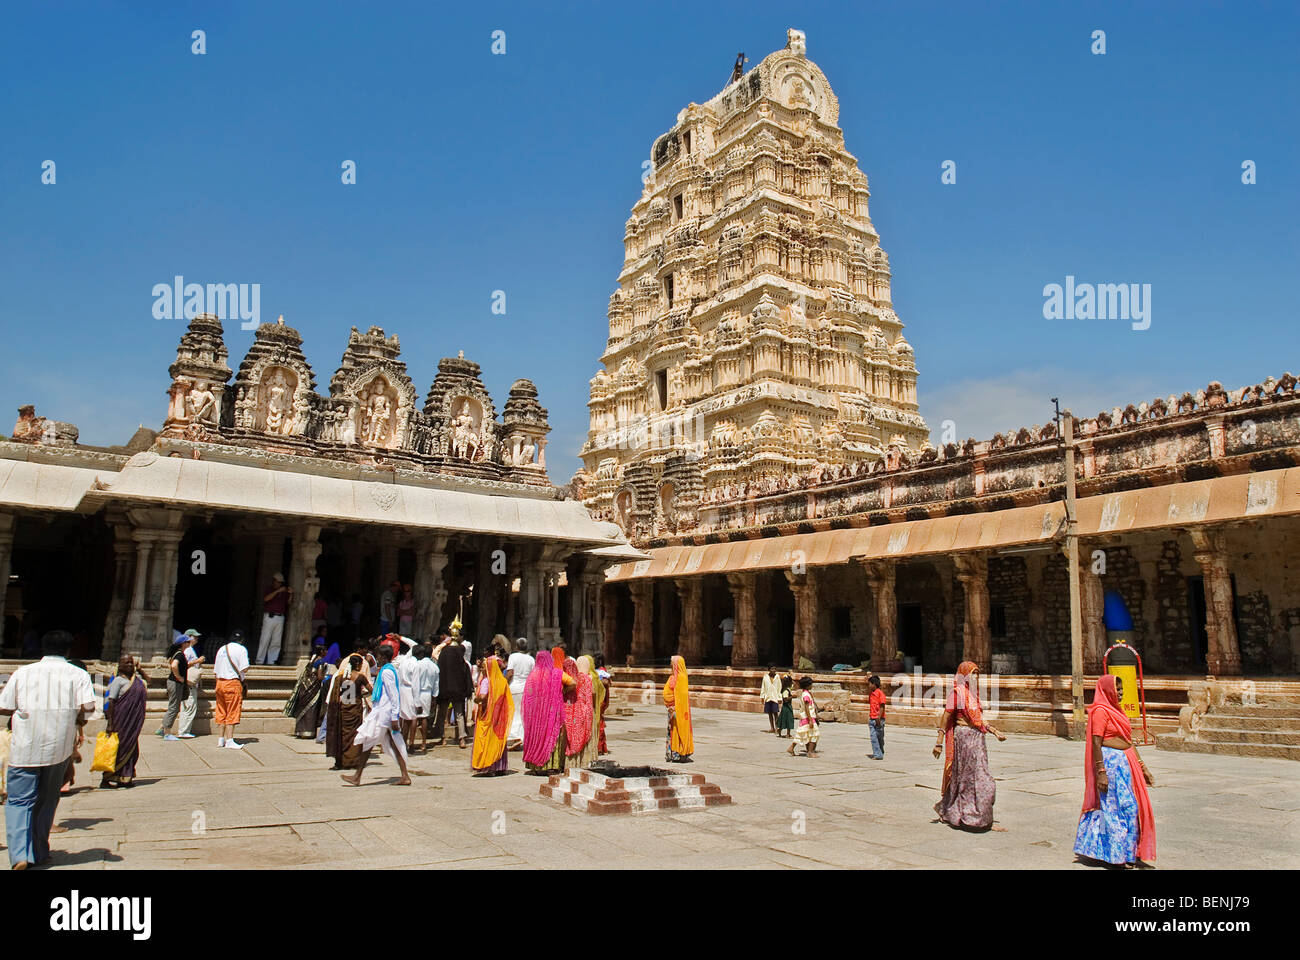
(728, 626)
(771, 696)
(50, 701)
(230, 665)
(518, 667)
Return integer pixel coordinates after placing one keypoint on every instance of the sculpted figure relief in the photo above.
(465, 442)
(279, 404)
(201, 404)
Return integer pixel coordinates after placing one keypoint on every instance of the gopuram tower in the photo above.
(753, 346)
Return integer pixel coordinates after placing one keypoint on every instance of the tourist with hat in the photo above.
(194, 678)
(230, 665)
(275, 604)
(178, 688)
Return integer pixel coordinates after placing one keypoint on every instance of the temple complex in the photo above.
(343, 493)
(754, 428)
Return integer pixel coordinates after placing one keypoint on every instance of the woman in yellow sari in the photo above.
(677, 698)
(496, 708)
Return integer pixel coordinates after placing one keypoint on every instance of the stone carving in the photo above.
(465, 442)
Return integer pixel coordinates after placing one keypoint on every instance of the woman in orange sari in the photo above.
(968, 789)
(677, 698)
(1118, 824)
(496, 708)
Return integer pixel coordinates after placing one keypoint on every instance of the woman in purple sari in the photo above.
(543, 710)
(124, 711)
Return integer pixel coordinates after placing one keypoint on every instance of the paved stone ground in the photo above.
(275, 804)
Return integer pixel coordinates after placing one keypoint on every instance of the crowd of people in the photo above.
(546, 704)
(393, 693)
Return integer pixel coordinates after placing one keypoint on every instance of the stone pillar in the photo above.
(643, 600)
(977, 644)
(1223, 658)
(304, 583)
(1092, 606)
(166, 555)
(690, 644)
(744, 649)
(804, 588)
(590, 584)
(430, 589)
(387, 563)
(131, 630)
(549, 584)
(609, 622)
(881, 576)
(157, 535)
(530, 588)
(6, 562)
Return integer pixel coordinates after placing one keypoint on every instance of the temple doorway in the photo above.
(204, 578)
(911, 631)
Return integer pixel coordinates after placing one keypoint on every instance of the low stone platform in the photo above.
(615, 789)
(1264, 728)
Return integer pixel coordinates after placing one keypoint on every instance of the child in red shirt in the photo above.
(877, 718)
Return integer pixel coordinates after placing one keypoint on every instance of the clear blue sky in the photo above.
(479, 172)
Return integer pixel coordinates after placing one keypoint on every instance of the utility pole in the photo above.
(1072, 560)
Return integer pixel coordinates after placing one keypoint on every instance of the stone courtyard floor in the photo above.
(277, 805)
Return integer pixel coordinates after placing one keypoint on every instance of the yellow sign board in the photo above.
(1129, 675)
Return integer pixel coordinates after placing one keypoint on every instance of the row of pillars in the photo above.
(972, 569)
(147, 563)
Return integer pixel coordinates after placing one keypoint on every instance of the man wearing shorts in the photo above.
(230, 665)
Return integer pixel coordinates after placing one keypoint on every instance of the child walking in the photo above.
(808, 730)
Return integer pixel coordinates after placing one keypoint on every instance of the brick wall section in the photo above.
(1009, 588)
(1179, 654)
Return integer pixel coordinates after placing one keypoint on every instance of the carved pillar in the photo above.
(881, 576)
(166, 555)
(609, 622)
(1092, 606)
(1223, 659)
(429, 587)
(691, 642)
(6, 560)
(973, 572)
(304, 583)
(550, 573)
(643, 601)
(744, 649)
(591, 583)
(530, 589)
(131, 631)
(804, 588)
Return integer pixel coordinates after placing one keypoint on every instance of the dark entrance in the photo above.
(911, 636)
(1196, 611)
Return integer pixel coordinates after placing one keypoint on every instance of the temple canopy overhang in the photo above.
(1206, 502)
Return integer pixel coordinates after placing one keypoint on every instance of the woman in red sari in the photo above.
(1118, 824)
(968, 789)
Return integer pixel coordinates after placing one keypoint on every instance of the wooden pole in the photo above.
(1072, 556)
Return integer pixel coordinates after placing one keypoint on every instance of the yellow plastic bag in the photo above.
(105, 753)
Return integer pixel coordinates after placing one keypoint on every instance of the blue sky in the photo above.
(478, 172)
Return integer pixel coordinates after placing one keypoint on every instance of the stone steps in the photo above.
(1232, 748)
(597, 793)
(1216, 734)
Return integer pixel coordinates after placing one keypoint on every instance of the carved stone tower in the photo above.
(752, 339)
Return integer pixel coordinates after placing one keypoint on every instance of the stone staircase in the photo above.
(1229, 724)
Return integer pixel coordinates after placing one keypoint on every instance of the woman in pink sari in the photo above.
(543, 709)
(968, 789)
(1118, 824)
(579, 711)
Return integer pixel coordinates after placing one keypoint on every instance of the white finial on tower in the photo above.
(281, 320)
(796, 42)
